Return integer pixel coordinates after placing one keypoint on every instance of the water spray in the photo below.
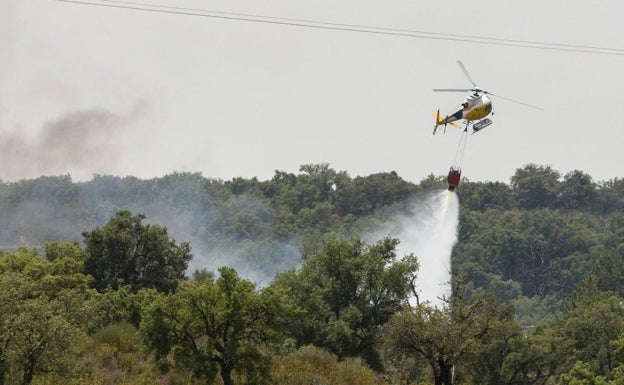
(429, 231)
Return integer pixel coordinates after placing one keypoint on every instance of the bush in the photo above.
(314, 366)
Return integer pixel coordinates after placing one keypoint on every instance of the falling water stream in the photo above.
(430, 232)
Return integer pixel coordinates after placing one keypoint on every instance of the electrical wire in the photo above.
(370, 27)
(472, 39)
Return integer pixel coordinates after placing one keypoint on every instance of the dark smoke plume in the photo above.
(82, 142)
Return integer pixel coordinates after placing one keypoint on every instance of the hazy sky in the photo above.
(90, 89)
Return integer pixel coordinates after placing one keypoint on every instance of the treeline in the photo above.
(535, 237)
(257, 226)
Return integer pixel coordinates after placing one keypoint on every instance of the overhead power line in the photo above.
(306, 23)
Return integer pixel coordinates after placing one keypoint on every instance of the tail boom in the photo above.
(449, 119)
(440, 122)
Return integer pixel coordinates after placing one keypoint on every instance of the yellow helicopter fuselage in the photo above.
(475, 107)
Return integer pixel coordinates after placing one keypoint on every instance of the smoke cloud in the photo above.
(238, 234)
(80, 143)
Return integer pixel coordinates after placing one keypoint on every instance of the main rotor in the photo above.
(478, 90)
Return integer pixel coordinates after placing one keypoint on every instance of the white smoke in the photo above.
(429, 231)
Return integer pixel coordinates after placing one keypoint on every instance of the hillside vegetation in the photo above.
(185, 279)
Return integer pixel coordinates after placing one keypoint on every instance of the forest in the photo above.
(185, 279)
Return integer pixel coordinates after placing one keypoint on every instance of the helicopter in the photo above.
(475, 108)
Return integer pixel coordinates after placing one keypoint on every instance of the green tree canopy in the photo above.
(577, 191)
(46, 306)
(347, 289)
(593, 319)
(472, 336)
(216, 326)
(127, 252)
(535, 186)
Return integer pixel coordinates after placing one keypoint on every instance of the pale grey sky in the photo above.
(89, 89)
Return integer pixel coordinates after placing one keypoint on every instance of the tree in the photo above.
(581, 374)
(420, 332)
(480, 196)
(593, 320)
(215, 326)
(127, 252)
(45, 308)
(535, 186)
(609, 270)
(546, 251)
(577, 191)
(453, 335)
(610, 196)
(382, 190)
(347, 290)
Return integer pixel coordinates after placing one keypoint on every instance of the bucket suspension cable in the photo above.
(458, 161)
(454, 174)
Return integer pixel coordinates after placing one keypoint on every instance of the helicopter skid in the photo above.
(480, 125)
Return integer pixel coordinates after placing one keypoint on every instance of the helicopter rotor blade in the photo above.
(452, 89)
(478, 90)
(467, 74)
(515, 101)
